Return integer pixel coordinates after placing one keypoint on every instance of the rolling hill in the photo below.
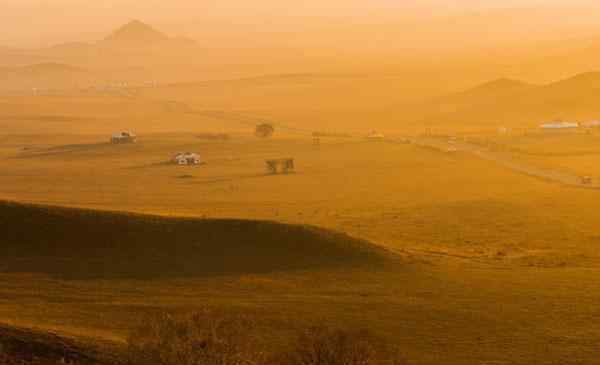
(488, 92)
(516, 104)
(26, 346)
(77, 244)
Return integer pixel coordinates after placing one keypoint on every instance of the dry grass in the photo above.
(321, 345)
(33, 347)
(204, 338)
(430, 207)
(218, 338)
(400, 196)
(498, 268)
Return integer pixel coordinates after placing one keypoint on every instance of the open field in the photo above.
(493, 267)
(451, 311)
(401, 196)
(418, 198)
(564, 152)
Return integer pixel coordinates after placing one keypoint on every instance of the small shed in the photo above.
(280, 166)
(123, 137)
(264, 130)
(187, 158)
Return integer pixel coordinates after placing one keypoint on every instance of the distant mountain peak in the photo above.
(136, 32)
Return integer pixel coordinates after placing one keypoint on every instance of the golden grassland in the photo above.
(574, 152)
(436, 312)
(494, 266)
(483, 263)
(399, 195)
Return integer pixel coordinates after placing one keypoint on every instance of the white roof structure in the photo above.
(559, 125)
(187, 158)
(123, 137)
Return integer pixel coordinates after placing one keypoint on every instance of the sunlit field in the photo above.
(402, 196)
(353, 177)
(464, 239)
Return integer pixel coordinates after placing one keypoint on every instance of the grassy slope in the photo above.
(88, 244)
(18, 346)
(517, 105)
(447, 311)
(456, 314)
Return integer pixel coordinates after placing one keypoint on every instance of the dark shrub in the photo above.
(325, 346)
(205, 338)
(213, 338)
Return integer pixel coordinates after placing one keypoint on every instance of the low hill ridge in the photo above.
(506, 102)
(583, 81)
(81, 244)
(501, 85)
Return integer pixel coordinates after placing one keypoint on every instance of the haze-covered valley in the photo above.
(251, 183)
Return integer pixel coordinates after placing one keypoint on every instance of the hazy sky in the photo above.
(38, 22)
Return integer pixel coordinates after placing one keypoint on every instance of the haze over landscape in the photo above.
(312, 183)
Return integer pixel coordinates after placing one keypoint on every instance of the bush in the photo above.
(211, 338)
(205, 338)
(325, 346)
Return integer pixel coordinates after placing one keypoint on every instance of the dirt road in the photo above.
(451, 146)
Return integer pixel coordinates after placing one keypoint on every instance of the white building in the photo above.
(123, 137)
(559, 125)
(187, 158)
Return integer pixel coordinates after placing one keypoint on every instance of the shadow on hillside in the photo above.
(85, 244)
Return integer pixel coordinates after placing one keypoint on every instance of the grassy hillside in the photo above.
(87, 244)
(23, 346)
(515, 104)
(485, 248)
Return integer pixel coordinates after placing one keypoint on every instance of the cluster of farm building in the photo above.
(181, 158)
(274, 166)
